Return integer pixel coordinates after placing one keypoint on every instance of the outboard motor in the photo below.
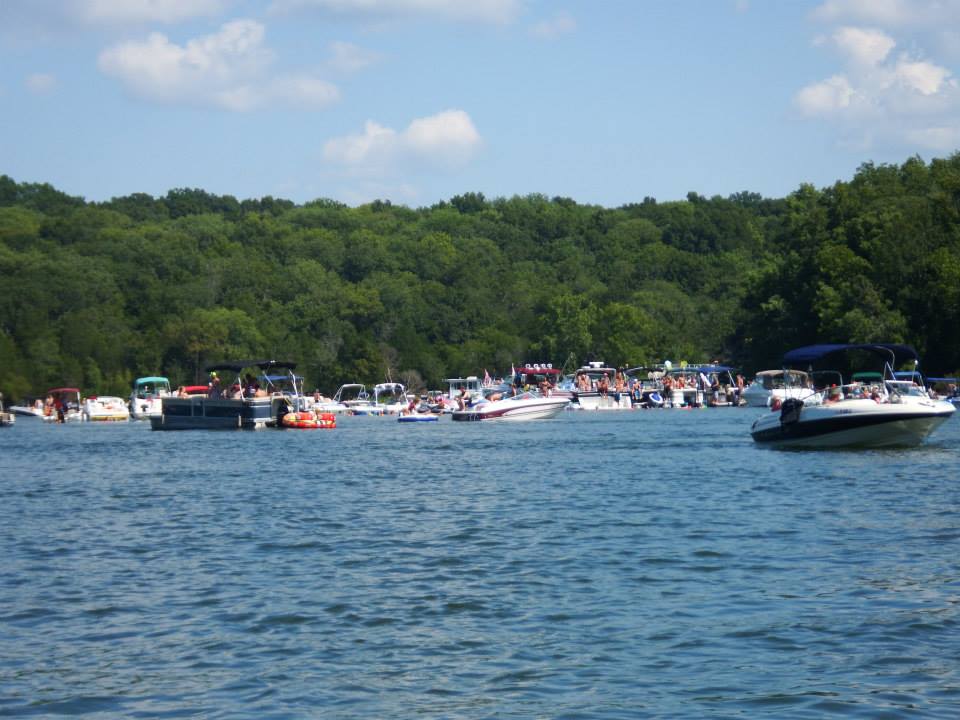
(790, 411)
(283, 407)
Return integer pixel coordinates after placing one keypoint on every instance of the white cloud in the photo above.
(145, 11)
(227, 70)
(40, 83)
(879, 95)
(485, 11)
(560, 24)
(926, 78)
(825, 97)
(863, 46)
(349, 58)
(447, 139)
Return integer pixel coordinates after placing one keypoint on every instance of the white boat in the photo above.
(594, 388)
(699, 386)
(350, 399)
(525, 406)
(146, 398)
(889, 413)
(63, 405)
(390, 397)
(105, 408)
(463, 391)
(776, 384)
(28, 409)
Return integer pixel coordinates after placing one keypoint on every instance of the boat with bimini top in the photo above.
(883, 412)
(63, 405)
(239, 404)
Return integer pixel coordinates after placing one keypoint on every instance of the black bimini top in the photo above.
(812, 353)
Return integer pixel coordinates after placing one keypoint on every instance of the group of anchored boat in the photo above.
(806, 403)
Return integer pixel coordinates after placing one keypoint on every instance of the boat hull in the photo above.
(502, 411)
(596, 401)
(200, 413)
(861, 423)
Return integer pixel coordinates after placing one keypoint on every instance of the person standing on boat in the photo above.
(216, 392)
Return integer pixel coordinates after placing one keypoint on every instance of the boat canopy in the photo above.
(238, 365)
(908, 375)
(63, 390)
(943, 379)
(812, 353)
(151, 380)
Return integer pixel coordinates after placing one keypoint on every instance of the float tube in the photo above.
(418, 418)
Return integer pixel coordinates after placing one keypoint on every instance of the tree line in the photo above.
(96, 294)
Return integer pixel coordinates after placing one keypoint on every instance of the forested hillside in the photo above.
(96, 294)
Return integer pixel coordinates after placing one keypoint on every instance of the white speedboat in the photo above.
(525, 406)
(28, 409)
(146, 399)
(769, 385)
(889, 413)
(105, 408)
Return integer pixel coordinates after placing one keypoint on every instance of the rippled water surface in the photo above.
(598, 565)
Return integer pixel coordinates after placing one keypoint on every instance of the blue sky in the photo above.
(417, 101)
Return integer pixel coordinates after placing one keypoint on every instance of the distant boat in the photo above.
(147, 396)
(32, 408)
(594, 388)
(525, 406)
(390, 397)
(105, 408)
(227, 407)
(65, 405)
(887, 413)
(779, 384)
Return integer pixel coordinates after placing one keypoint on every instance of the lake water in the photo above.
(597, 565)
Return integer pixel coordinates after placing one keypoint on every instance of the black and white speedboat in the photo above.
(886, 413)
